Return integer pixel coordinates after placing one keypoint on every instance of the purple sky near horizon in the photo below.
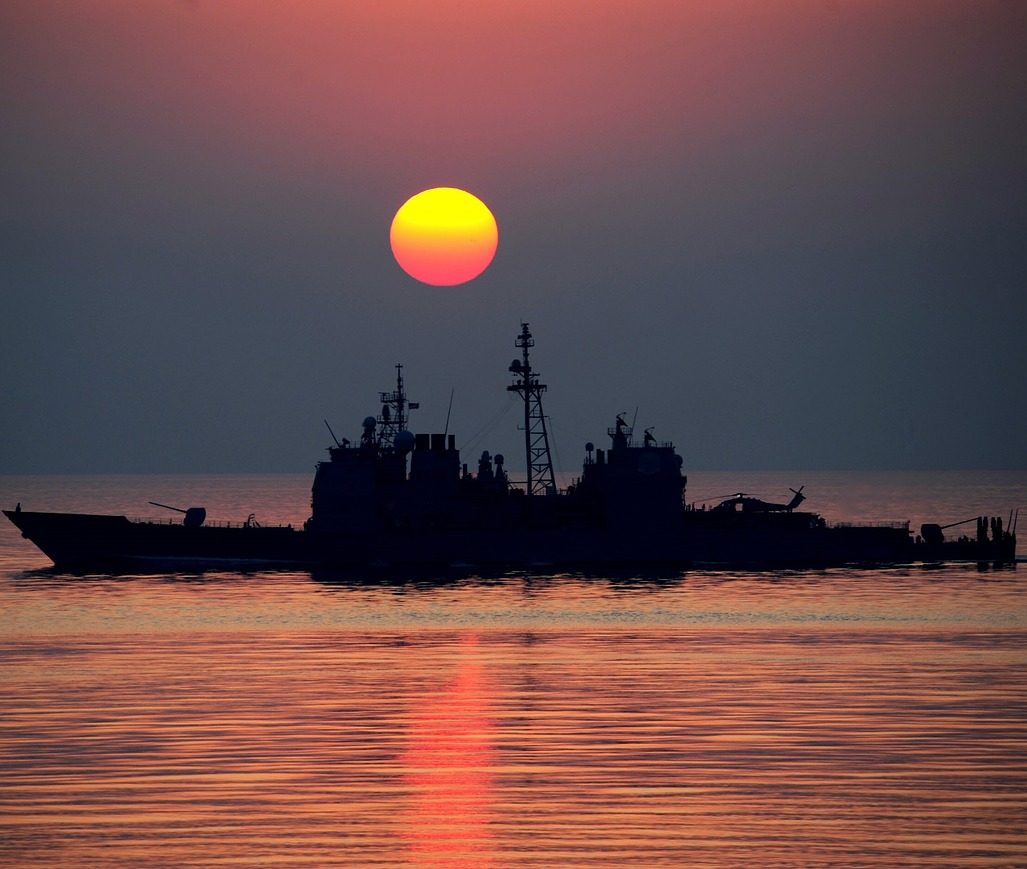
(791, 234)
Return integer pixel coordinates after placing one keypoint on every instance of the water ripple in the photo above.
(516, 748)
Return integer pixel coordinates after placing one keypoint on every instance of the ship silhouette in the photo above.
(396, 500)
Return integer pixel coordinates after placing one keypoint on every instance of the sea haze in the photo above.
(827, 718)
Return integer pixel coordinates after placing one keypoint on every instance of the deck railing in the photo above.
(886, 523)
(209, 523)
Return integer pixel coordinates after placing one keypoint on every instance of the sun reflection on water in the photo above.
(447, 767)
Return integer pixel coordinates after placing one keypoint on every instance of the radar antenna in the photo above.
(541, 480)
(394, 415)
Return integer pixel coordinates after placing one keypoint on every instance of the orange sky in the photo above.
(409, 88)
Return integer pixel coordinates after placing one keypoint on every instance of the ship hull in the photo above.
(88, 542)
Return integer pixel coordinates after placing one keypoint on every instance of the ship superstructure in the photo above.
(403, 482)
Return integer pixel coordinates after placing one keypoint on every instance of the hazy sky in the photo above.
(792, 234)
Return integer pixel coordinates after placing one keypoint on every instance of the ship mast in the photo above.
(393, 418)
(536, 439)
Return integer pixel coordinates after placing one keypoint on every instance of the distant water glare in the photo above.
(830, 718)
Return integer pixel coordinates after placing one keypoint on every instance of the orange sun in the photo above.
(444, 236)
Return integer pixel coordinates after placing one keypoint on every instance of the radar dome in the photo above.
(404, 441)
(369, 422)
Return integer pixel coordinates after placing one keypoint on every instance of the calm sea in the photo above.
(711, 719)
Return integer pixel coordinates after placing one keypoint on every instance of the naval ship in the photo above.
(402, 501)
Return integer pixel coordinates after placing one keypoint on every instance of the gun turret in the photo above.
(194, 516)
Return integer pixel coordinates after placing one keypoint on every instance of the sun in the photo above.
(444, 236)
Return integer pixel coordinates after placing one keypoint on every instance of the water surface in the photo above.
(830, 718)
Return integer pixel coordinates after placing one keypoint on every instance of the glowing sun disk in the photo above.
(444, 236)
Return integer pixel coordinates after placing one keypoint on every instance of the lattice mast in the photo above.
(395, 408)
(541, 480)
